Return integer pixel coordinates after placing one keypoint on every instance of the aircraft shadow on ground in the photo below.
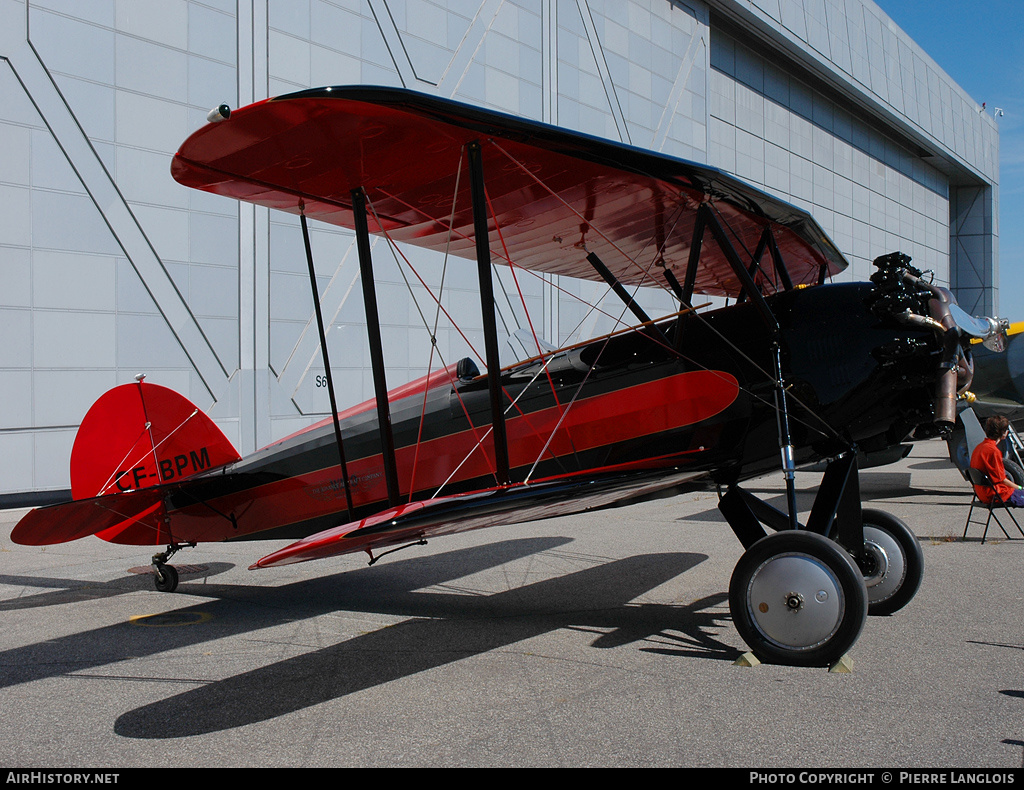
(1015, 742)
(937, 464)
(873, 485)
(67, 591)
(441, 627)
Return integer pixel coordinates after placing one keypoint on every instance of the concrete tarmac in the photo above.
(597, 640)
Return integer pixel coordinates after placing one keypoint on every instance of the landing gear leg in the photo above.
(791, 595)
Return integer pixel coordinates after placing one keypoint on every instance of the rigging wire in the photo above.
(396, 252)
(147, 428)
(514, 401)
(545, 358)
(509, 408)
(582, 218)
(645, 272)
(540, 352)
(452, 231)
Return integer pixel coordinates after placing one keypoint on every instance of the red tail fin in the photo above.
(140, 435)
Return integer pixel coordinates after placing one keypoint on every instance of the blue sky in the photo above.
(981, 46)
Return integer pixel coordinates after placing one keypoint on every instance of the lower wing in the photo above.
(493, 507)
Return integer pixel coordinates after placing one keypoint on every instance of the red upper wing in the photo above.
(553, 195)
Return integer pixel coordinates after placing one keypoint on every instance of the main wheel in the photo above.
(894, 562)
(957, 445)
(1013, 471)
(166, 578)
(797, 598)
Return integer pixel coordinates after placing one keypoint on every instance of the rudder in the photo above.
(140, 435)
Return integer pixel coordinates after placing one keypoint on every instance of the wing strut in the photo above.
(327, 361)
(781, 410)
(483, 263)
(746, 281)
(755, 261)
(696, 244)
(767, 242)
(623, 294)
(780, 264)
(380, 386)
(673, 283)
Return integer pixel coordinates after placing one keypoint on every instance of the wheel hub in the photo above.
(795, 600)
(876, 563)
(886, 568)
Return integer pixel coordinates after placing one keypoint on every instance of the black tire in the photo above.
(896, 562)
(957, 445)
(1014, 472)
(797, 598)
(166, 579)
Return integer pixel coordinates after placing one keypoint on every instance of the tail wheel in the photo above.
(893, 565)
(797, 598)
(166, 578)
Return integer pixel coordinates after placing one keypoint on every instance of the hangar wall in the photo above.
(108, 268)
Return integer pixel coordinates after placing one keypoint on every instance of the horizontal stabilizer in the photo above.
(136, 445)
(67, 521)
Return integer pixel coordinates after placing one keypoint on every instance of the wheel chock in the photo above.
(844, 664)
(746, 660)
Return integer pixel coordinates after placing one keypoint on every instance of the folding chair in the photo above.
(981, 479)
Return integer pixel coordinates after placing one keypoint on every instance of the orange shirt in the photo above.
(989, 459)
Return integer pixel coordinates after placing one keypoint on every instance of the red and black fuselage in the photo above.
(693, 403)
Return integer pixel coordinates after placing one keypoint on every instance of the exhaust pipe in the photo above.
(956, 372)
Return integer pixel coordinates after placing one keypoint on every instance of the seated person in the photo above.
(989, 459)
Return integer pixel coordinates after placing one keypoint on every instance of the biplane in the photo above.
(794, 370)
